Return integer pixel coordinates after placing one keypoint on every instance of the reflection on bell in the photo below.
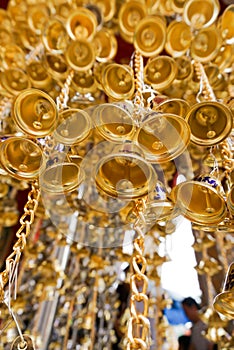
(153, 138)
(130, 13)
(61, 178)
(160, 72)
(224, 302)
(206, 44)
(35, 112)
(150, 36)
(74, 127)
(125, 174)
(114, 122)
(81, 24)
(118, 81)
(201, 13)
(210, 122)
(55, 37)
(230, 200)
(80, 54)
(21, 157)
(200, 201)
(227, 27)
(179, 38)
(175, 106)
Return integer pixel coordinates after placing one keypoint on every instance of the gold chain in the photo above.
(22, 233)
(138, 325)
(63, 97)
(227, 158)
(206, 87)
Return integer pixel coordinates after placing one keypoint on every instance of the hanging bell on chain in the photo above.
(224, 302)
(80, 55)
(226, 24)
(230, 200)
(55, 36)
(200, 14)
(35, 112)
(125, 173)
(201, 200)
(152, 136)
(210, 122)
(81, 24)
(114, 122)
(21, 158)
(179, 37)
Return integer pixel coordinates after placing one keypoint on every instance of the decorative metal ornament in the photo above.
(35, 112)
(175, 106)
(130, 14)
(118, 81)
(114, 122)
(14, 80)
(210, 122)
(206, 44)
(223, 302)
(12, 56)
(105, 44)
(200, 201)
(38, 75)
(21, 157)
(80, 55)
(160, 72)
(56, 66)
(178, 5)
(200, 14)
(152, 137)
(84, 82)
(184, 68)
(227, 26)
(150, 36)
(74, 126)
(81, 24)
(179, 38)
(230, 200)
(37, 17)
(55, 37)
(125, 174)
(23, 343)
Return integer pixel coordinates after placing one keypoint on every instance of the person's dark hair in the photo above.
(184, 341)
(189, 301)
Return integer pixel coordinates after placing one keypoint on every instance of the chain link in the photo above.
(206, 88)
(22, 233)
(63, 97)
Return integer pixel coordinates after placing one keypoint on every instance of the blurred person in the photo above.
(184, 342)
(198, 341)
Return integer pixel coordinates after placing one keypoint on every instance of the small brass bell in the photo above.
(130, 13)
(105, 44)
(38, 75)
(55, 37)
(179, 38)
(175, 106)
(210, 122)
(230, 200)
(113, 121)
(14, 80)
(227, 27)
(199, 200)
(200, 14)
(184, 68)
(153, 138)
(81, 24)
(150, 36)
(80, 54)
(118, 81)
(56, 66)
(224, 302)
(160, 72)
(125, 173)
(35, 112)
(84, 82)
(74, 127)
(37, 17)
(21, 158)
(61, 178)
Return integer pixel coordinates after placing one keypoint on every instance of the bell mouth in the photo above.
(224, 304)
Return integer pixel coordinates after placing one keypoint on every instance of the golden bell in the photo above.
(118, 81)
(14, 80)
(3, 189)
(56, 66)
(38, 75)
(210, 122)
(206, 44)
(84, 82)
(224, 302)
(200, 14)
(150, 36)
(179, 37)
(178, 5)
(35, 112)
(224, 57)
(184, 68)
(130, 14)
(199, 201)
(17, 343)
(74, 127)
(175, 106)
(153, 138)
(165, 8)
(227, 26)
(125, 174)
(81, 24)
(37, 17)
(55, 37)
(80, 55)
(107, 8)
(113, 121)
(61, 178)
(12, 56)
(21, 157)
(105, 44)
(230, 200)
(160, 72)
